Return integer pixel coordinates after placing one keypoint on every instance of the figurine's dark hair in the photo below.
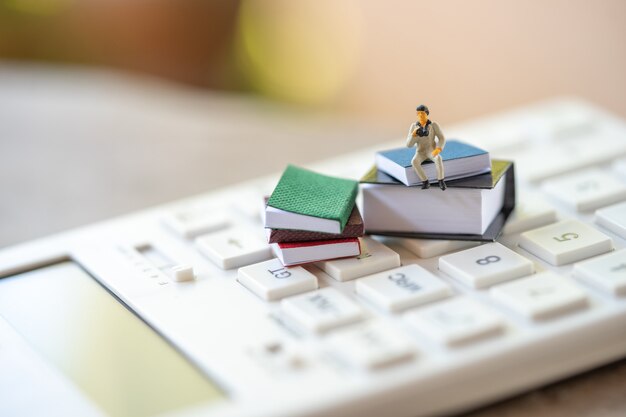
(421, 107)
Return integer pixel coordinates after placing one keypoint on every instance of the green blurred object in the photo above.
(303, 52)
(35, 7)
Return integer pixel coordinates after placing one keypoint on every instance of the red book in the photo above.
(295, 253)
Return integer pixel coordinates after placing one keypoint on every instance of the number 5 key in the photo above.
(565, 242)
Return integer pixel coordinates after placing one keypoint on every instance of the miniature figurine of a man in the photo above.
(422, 133)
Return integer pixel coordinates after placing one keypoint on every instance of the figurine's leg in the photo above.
(417, 167)
(439, 165)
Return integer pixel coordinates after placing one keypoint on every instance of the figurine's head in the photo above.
(422, 114)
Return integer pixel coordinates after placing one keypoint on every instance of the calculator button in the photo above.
(371, 345)
(586, 190)
(375, 257)
(564, 123)
(619, 167)
(495, 135)
(271, 281)
(401, 288)
(233, 248)
(486, 265)
(427, 248)
(249, 204)
(555, 159)
(565, 242)
(322, 310)
(455, 321)
(195, 222)
(533, 166)
(182, 273)
(541, 296)
(530, 212)
(607, 272)
(613, 218)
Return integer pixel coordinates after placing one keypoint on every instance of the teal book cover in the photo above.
(308, 193)
(453, 150)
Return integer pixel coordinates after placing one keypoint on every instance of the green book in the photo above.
(306, 200)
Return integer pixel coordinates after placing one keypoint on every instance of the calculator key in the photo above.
(401, 288)
(248, 211)
(530, 212)
(249, 204)
(233, 248)
(565, 242)
(371, 345)
(195, 222)
(182, 273)
(607, 272)
(613, 218)
(271, 281)
(427, 248)
(495, 135)
(322, 310)
(619, 167)
(456, 321)
(586, 190)
(564, 123)
(375, 257)
(541, 296)
(537, 164)
(485, 265)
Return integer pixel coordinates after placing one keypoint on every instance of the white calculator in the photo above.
(181, 310)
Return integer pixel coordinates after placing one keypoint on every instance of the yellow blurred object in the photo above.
(437, 151)
(302, 51)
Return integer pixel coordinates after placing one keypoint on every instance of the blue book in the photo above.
(460, 160)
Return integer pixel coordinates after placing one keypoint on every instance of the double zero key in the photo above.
(402, 288)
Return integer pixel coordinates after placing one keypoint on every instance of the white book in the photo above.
(281, 219)
(400, 209)
(303, 252)
(460, 160)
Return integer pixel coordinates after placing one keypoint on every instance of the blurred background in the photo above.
(108, 106)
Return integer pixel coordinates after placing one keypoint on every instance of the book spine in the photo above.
(348, 207)
(287, 235)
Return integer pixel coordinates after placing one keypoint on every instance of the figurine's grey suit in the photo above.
(425, 146)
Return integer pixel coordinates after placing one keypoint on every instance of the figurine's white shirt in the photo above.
(426, 144)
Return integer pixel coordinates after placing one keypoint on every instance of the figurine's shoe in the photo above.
(425, 185)
(442, 184)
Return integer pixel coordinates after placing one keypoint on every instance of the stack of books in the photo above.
(312, 217)
(479, 198)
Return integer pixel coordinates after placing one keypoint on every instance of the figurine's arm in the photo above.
(441, 142)
(411, 138)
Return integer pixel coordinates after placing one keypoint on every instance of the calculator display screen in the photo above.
(111, 355)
